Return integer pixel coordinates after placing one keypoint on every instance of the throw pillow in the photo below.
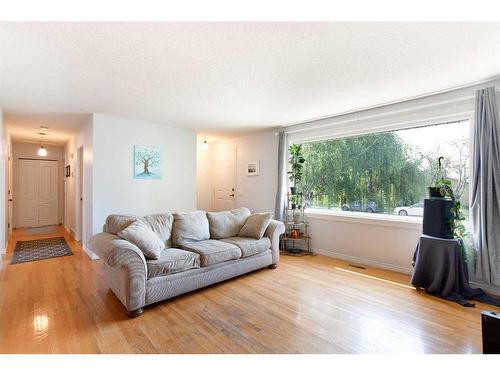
(190, 227)
(161, 225)
(227, 224)
(140, 234)
(256, 225)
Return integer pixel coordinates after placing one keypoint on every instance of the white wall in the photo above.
(115, 191)
(204, 187)
(255, 192)
(385, 243)
(84, 139)
(3, 183)
(30, 150)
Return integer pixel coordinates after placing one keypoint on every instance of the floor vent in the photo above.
(356, 266)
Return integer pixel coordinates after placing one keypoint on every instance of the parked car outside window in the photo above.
(416, 209)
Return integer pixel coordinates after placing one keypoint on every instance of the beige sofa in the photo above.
(200, 249)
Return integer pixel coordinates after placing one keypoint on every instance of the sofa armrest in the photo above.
(273, 231)
(125, 268)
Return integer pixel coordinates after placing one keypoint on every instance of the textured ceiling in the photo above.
(230, 77)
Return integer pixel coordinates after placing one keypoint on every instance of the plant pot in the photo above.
(435, 192)
(293, 190)
(296, 218)
(294, 206)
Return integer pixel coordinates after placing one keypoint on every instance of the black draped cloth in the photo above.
(439, 269)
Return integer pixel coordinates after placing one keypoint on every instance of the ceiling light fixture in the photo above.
(42, 151)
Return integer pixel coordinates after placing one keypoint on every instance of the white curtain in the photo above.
(485, 207)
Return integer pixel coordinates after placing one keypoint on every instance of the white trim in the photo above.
(89, 253)
(381, 115)
(491, 80)
(411, 124)
(3, 251)
(363, 261)
(365, 218)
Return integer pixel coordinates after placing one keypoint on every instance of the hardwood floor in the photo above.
(306, 305)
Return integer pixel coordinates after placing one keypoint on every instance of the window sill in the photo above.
(365, 218)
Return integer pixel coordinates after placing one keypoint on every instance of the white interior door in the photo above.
(38, 193)
(48, 207)
(10, 192)
(29, 196)
(224, 179)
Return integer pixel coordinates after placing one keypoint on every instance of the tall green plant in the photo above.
(296, 162)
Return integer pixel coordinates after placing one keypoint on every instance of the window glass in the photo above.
(386, 173)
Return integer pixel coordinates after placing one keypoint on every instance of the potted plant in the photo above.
(294, 200)
(296, 162)
(436, 190)
(457, 226)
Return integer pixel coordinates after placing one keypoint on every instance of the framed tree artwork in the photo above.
(147, 162)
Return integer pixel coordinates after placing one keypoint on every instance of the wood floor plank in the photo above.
(307, 305)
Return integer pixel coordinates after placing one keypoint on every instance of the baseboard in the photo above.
(363, 261)
(89, 253)
(488, 288)
(70, 232)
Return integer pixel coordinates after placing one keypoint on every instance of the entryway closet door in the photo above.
(29, 193)
(49, 207)
(224, 179)
(38, 193)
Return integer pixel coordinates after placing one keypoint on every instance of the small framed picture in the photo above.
(253, 168)
(68, 170)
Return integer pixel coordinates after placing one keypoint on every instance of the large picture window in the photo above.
(385, 173)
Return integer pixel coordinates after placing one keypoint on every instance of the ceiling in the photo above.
(25, 127)
(229, 77)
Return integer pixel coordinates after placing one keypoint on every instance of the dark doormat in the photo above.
(30, 251)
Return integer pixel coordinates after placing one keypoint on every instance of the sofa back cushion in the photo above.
(227, 224)
(190, 227)
(256, 225)
(161, 225)
(142, 236)
(117, 223)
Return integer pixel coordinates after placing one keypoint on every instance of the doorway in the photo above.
(79, 195)
(38, 193)
(224, 179)
(10, 191)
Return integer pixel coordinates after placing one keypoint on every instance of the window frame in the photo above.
(375, 218)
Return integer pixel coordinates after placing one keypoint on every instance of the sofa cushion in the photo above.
(250, 246)
(116, 223)
(161, 224)
(255, 225)
(141, 235)
(172, 261)
(213, 251)
(227, 224)
(190, 227)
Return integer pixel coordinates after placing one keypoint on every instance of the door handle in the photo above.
(231, 195)
(10, 200)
